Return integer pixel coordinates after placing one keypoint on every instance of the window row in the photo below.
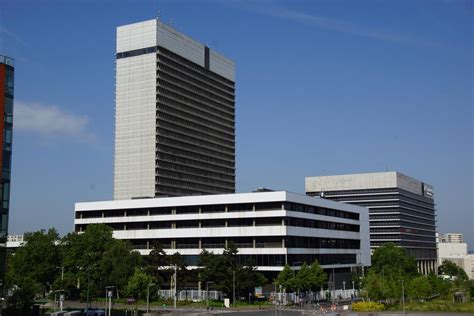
(197, 116)
(227, 176)
(177, 141)
(196, 69)
(182, 84)
(163, 94)
(193, 163)
(207, 129)
(193, 156)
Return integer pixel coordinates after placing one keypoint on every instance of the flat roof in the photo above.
(234, 198)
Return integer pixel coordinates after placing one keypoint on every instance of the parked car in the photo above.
(94, 312)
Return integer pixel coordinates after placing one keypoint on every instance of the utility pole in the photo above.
(148, 298)
(233, 288)
(403, 297)
(88, 288)
(175, 281)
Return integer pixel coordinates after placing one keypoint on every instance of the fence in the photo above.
(191, 295)
(306, 297)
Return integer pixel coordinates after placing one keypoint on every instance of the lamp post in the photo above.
(207, 295)
(403, 296)
(88, 289)
(333, 285)
(108, 299)
(148, 297)
(175, 281)
(233, 288)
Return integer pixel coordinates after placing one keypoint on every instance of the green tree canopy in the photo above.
(390, 267)
(451, 269)
(138, 285)
(220, 270)
(37, 261)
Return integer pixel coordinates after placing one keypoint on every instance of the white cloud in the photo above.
(269, 8)
(50, 121)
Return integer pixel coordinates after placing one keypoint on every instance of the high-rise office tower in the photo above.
(6, 125)
(401, 209)
(175, 115)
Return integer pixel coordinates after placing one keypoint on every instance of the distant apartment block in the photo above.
(174, 115)
(6, 129)
(451, 238)
(401, 209)
(271, 228)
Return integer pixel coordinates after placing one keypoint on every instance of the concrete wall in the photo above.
(363, 181)
(135, 121)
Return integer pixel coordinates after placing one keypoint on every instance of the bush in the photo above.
(367, 307)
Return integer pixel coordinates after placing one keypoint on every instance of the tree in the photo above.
(138, 285)
(451, 269)
(302, 279)
(118, 264)
(390, 260)
(374, 287)
(285, 277)
(220, 270)
(37, 260)
(390, 265)
(317, 277)
(419, 287)
(157, 262)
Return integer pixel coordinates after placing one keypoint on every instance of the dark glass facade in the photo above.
(195, 128)
(6, 128)
(397, 216)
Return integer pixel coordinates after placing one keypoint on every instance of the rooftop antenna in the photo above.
(158, 15)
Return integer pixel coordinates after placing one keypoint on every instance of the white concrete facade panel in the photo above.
(180, 44)
(136, 36)
(222, 66)
(135, 120)
(363, 181)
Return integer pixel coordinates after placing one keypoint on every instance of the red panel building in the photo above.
(6, 127)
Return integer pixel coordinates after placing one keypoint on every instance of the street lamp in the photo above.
(175, 283)
(403, 296)
(108, 296)
(148, 297)
(207, 291)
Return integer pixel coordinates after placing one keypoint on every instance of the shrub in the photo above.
(367, 307)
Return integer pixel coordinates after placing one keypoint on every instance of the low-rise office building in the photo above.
(401, 209)
(271, 228)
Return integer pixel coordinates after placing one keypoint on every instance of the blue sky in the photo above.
(323, 87)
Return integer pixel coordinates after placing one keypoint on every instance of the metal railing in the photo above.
(191, 295)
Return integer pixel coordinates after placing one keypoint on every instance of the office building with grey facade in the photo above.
(175, 115)
(401, 209)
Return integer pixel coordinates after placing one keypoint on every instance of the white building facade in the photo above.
(174, 115)
(271, 228)
(455, 251)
